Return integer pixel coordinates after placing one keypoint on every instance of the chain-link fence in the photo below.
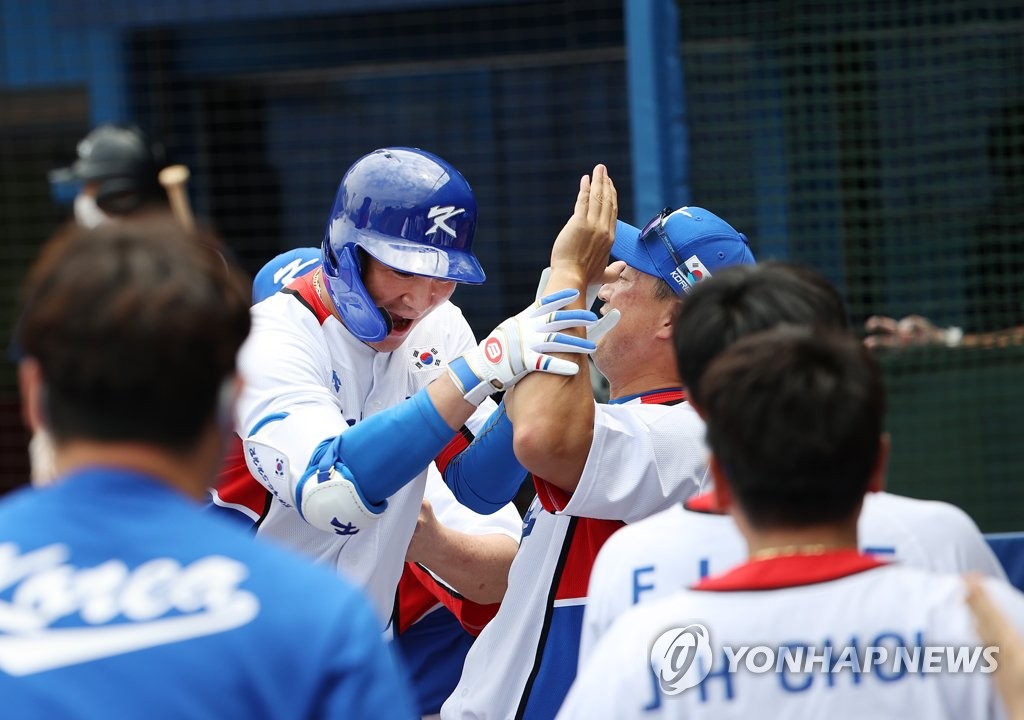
(882, 143)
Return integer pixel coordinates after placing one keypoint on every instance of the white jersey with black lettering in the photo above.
(303, 368)
(684, 544)
(648, 452)
(836, 635)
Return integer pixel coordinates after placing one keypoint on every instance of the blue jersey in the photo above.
(119, 598)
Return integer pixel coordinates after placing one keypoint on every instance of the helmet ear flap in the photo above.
(344, 281)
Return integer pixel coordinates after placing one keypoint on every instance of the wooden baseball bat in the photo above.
(174, 179)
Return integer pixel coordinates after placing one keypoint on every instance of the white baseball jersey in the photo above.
(433, 652)
(684, 544)
(301, 361)
(453, 514)
(246, 502)
(838, 635)
(421, 590)
(434, 624)
(648, 452)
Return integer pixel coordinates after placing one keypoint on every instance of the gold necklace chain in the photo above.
(324, 299)
(316, 284)
(785, 550)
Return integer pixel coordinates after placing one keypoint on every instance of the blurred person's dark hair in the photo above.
(794, 419)
(744, 299)
(135, 326)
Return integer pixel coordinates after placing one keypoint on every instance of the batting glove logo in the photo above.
(518, 346)
(681, 658)
(493, 350)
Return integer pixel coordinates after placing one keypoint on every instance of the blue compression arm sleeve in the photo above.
(372, 456)
(486, 475)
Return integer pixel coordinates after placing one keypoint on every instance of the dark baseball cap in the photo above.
(682, 247)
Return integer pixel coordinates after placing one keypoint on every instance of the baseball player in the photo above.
(595, 466)
(362, 372)
(114, 175)
(118, 597)
(678, 547)
(794, 418)
(459, 546)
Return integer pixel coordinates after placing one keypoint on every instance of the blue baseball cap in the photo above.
(283, 270)
(682, 247)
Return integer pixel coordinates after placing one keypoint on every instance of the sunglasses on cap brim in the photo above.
(654, 237)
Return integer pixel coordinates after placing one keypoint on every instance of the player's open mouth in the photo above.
(400, 324)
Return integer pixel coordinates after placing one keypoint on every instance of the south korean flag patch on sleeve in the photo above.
(270, 467)
(427, 358)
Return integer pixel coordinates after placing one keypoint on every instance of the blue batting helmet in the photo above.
(408, 209)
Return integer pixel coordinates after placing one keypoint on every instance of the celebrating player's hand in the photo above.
(912, 330)
(520, 345)
(609, 320)
(584, 242)
(428, 529)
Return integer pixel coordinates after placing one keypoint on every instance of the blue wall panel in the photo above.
(657, 108)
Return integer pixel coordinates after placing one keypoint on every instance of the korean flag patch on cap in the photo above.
(697, 269)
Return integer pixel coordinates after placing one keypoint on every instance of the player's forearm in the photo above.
(486, 475)
(553, 416)
(387, 450)
(449, 402)
(476, 566)
(997, 338)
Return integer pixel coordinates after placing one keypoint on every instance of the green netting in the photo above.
(955, 424)
(269, 103)
(881, 142)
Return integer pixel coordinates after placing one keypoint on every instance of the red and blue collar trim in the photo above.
(791, 571)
